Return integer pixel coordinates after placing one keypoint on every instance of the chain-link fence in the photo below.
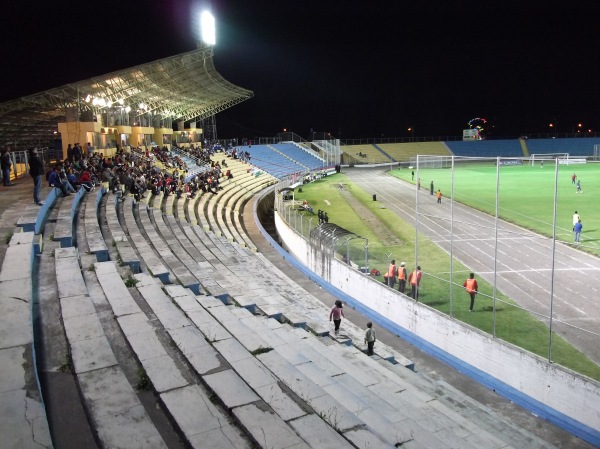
(329, 238)
(533, 262)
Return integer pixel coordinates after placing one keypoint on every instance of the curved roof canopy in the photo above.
(183, 87)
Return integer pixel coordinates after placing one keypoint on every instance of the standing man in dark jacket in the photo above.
(36, 170)
(5, 164)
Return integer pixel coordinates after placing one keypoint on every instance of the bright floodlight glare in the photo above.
(207, 28)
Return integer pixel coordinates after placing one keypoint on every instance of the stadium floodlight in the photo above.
(208, 28)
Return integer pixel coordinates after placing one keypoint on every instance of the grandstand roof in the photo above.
(184, 87)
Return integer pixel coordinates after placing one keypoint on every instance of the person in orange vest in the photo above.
(415, 281)
(471, 286)
(392, 273)
(402, 278)
(439, 196)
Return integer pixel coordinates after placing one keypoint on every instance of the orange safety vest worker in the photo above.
(471, 285)
(402, 273)
(391, 271)
(415, 277)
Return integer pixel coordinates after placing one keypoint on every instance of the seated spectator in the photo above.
(72, 178)
(54, 180)
(85, 179)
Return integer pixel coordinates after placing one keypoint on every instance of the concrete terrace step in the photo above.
(95, 240)
(107, 393)
(190, 407)
(232, 391)
(371, 395)
(63, 231)
(216, 205)
(147, 254)
(273, 334)
(118, 237)
(273, 307)
(231, 210)
(179, 270)
(237, 388)
(23, 422)
(192, 253)
(33, 216)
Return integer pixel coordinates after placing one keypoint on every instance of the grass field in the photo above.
(389, 236)
(526, 195)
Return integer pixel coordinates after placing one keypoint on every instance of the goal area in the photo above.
(539, 158)
(425, 161)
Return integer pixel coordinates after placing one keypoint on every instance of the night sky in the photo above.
(354, 69)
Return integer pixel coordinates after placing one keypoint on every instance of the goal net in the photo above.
(423, 161)
(539, 158)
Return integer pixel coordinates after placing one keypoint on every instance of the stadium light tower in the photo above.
(208, 29)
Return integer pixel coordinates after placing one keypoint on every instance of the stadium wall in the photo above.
(557, 394)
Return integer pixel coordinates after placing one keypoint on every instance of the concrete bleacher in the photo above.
(96, 242)
(358, 404)
(300, 155)
(364, 154)
(33, 216)
(99, 375)
(125, 251)
(403, 152)
(63, 232)
(23, 422)
(486, 148)
(246, 360)
(150, 259)
(575, 147)
(272, 161)
(182, 270)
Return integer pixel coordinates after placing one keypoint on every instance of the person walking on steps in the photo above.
(439, 196)
(471, 286)
(370, 338)
(336, 314)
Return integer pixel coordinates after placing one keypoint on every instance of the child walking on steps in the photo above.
(336, 314)
(370, 338)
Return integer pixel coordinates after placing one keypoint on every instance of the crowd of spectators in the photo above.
(138, 171)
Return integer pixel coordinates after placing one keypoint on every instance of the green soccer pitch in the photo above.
(526, 195)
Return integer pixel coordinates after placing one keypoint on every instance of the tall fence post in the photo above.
(553, 260)
(496, 220)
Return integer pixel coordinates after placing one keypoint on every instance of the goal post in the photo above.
(540, 157)
(426, 161)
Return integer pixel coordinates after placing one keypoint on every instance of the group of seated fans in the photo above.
(138, 171)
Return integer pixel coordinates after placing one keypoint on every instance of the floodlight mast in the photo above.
(208, 29)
